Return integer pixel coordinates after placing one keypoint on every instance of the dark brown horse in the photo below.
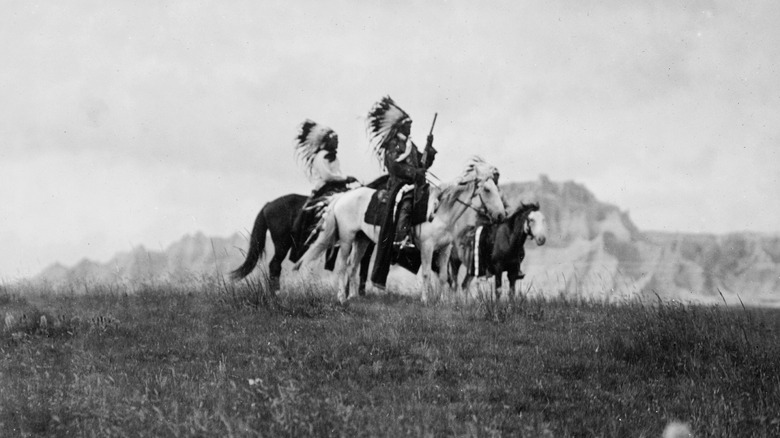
(280, 217)
(500, 247)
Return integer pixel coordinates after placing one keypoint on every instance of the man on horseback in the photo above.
(390, 130)
(316, 148)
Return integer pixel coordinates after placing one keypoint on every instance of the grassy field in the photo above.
(222, 361)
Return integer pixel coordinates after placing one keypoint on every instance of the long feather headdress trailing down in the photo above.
(383, 120)
(312, 138)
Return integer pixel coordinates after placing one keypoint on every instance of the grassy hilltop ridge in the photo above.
(222, 361)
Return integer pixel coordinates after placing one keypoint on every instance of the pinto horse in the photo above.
(499, 247)
(344, 222)
(278, 217)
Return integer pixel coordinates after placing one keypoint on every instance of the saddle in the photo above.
(378, 209)
(378, 206)
(306, 221)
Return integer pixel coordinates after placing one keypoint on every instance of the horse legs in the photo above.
(466, 283)
(275, 265)
(365, 262)
(452, 278)
(443, 256)
(341, 270)
(331, 254)
(514, 274)
(498, 284)
(356, 262)
(426, 256)
(511, 293)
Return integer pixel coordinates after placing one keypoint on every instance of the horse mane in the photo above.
(451, 191)
(477, 165)
(523, 208)
(379, 182)
(466, 181)
(531, 206)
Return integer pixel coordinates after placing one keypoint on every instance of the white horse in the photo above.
(343, 220)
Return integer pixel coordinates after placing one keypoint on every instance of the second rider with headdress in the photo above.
(316, 147)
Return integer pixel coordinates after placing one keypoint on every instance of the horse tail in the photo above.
(325, 239)
(256, 248)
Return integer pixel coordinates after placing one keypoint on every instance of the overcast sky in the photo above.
(129, 123)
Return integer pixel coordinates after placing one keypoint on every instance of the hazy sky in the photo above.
(130, 123)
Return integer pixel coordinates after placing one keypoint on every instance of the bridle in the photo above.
(527, 229)
(527, 226)
(474, 193)
(483, 211)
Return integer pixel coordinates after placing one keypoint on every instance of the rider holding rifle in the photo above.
(389, 128)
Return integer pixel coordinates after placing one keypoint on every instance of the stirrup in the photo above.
(406, 243)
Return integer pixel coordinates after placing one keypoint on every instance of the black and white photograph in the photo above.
(390, 218)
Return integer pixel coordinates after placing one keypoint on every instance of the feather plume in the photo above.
(382, 122)
(312, 138)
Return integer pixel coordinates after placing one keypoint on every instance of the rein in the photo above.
(527, 227)
(483, 211)
(474, 193)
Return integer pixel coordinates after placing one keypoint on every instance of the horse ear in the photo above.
(531, 206)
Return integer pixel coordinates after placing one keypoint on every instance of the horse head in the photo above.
(532, 222)
(487, 196)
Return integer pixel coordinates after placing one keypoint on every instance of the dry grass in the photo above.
(233, 360)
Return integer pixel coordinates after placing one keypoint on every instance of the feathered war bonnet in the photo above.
(312, 138)
(383, 122)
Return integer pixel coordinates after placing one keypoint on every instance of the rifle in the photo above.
(428, 140)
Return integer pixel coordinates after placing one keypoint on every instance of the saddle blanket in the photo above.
(477, 235)
(377, 207)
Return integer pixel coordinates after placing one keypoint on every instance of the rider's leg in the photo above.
(403, 226)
